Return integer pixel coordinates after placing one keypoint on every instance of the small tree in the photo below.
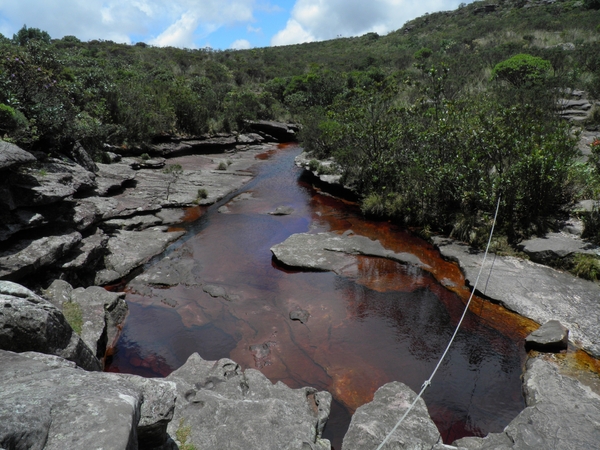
(522, 70)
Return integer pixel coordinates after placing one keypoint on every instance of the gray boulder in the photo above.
(330, 251)
(561, 414)
(31, 255)
(550, 337)
(372, 422)
(47, 403)
(30, 323)
(102, 312)
(11, 155)
(224, 407)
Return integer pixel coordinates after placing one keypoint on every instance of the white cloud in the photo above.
(251, 29)
(163, 22)
(241, 44)
(293, 33)
(327, 19)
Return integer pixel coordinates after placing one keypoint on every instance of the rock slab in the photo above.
(225, 407)
(534, 291)
(329, 251)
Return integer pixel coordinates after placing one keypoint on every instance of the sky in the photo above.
(219, 24)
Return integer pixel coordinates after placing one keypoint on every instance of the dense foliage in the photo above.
(431, 123)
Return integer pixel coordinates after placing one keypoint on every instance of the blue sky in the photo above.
(220, 24)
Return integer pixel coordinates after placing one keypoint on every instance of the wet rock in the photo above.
(130, 249)
(11, 155)
(30, 255)
(550, 337)
(225, 407)
(329, 251)
(218, 291)
(556, 246)
(561, 414)
(300, 315)
(372, 422)
(282, 211)
(30, 323)
(534, 291)
(46, 403)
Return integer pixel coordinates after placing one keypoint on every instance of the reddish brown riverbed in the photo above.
(377, 322)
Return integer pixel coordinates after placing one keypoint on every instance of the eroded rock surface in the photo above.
(534, 291)
(225, 407)
(48, 403)
(329, 251)
(561, 414)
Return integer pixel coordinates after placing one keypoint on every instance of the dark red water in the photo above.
(377, 322)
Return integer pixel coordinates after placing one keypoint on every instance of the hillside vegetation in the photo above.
(431, 123)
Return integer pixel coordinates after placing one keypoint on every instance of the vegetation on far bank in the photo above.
(431, 123)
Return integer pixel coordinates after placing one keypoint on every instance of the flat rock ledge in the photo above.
(331, 251)
(534, 291)
(221, 406)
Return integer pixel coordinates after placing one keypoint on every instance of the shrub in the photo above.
(202, 193)
(222, 166)
(522, 69)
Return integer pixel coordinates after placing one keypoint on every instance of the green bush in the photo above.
(522, 69)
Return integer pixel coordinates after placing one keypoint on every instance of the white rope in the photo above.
(427, 383)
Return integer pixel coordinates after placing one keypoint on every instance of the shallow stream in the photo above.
(376, 322)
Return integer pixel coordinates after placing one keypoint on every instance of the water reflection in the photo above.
(377, 321)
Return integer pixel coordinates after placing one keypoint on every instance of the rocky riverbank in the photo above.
(69, 226)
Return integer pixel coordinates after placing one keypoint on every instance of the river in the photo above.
(376, 322)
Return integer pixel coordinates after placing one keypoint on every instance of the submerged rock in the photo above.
(282, 211)
(300, 314)
(223, 406)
